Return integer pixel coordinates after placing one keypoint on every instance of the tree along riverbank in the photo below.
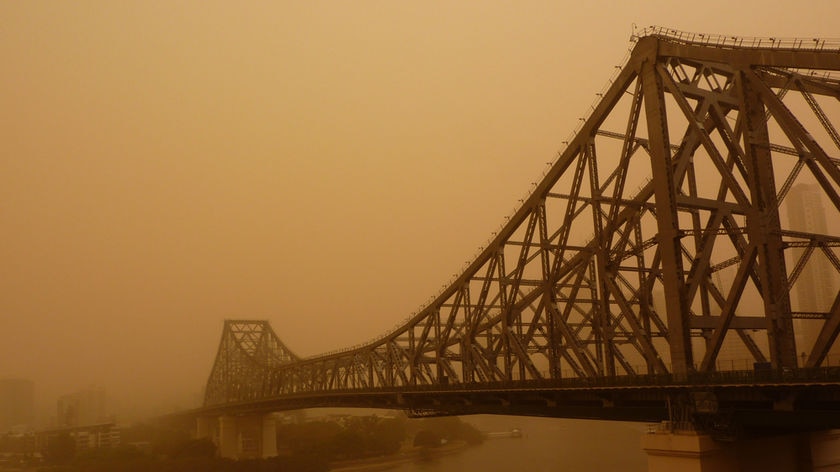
(345, 443)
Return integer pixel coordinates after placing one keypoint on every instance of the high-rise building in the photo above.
(82, 408)
(815, 289)
(17, 404)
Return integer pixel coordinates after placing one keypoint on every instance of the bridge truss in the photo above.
(657, 241)
(247, 351)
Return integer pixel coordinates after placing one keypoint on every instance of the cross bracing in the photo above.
(657, 241)
(247, 351)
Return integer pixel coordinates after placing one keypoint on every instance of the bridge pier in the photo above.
(228, 442)
(240, 437)
(691, 451)
(204, 427)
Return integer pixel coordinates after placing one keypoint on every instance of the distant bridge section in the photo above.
(248, 352)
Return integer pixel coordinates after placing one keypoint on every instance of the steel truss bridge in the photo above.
(655, 247)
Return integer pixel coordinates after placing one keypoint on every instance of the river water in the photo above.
(546, 445)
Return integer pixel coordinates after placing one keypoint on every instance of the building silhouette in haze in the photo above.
(815, 288)
(17, 404)
(82, 408)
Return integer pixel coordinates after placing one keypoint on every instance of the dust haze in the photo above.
(323, 165)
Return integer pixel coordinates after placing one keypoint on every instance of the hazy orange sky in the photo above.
(324, 165)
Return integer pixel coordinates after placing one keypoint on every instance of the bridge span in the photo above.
(663, 244)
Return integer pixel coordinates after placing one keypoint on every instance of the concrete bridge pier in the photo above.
(204, 427)
(240, 437)
(690, 451)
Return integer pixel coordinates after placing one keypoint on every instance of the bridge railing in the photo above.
(771, 377)
(821, 376)
(740, 377)
(727, 41)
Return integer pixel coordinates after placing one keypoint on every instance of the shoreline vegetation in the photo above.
(340, 443)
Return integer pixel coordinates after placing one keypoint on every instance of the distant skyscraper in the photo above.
(815, 288)
(17, 403)
(82, 408)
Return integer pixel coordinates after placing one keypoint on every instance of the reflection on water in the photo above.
(546, 445)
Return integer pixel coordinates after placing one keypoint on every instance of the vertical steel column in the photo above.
(601, 259)
(667, 219)
(764, 228)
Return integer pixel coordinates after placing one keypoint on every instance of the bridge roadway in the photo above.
(747, 403)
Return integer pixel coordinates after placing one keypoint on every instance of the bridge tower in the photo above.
(248, 350)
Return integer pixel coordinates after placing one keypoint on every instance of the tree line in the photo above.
(309, 446)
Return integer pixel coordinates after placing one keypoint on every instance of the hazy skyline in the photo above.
(323, 165)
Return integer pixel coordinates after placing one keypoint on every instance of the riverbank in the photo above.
(414, 454)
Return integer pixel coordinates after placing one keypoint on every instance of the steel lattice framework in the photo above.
(653, 243)
(248, 352)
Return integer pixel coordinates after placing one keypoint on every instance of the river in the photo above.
(546, 445)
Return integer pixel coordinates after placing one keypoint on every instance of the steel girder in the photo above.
(653, 244)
